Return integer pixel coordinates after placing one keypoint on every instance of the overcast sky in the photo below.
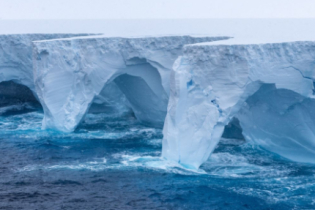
(145, 9)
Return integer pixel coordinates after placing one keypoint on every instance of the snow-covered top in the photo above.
(253, 41)
(301, 29)
(103, 36)
(244, 31)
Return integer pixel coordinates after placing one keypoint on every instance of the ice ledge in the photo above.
(255, 40)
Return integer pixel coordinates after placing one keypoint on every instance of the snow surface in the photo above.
(271, 29)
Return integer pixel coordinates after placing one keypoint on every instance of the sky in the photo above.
(154, 9)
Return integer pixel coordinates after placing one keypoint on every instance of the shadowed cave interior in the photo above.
(134, 91)
(16, 99)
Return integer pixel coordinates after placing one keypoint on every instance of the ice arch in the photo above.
(139, 88)
(214, 83)
(70, 73)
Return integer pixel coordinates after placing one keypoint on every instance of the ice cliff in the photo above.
(71, 74)
(16, 61)
(268, 87)
(193, 86)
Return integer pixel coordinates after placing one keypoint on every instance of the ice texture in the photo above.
(268, 87)
(70, 73)
(16, 61)
(193, 86)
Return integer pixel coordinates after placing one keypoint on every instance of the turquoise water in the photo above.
(110, 163)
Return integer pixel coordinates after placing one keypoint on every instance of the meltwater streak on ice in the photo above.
(131, 151)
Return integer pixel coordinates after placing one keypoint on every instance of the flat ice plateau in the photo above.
(261, 74)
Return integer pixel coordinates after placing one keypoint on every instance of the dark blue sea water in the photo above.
(110, 163)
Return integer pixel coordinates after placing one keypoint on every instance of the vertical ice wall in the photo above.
(70, 73)
(212, 83)
(16, 61)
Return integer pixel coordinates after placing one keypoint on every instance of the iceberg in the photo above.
(16, 60)
(70, 74)
(197, 88)
(268, 87)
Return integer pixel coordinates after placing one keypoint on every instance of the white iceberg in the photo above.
(16, 60)
(193, 86)
(70, 73)
(268, 87)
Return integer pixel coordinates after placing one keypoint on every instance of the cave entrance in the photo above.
(136, 91)
(281, 121)
(16, 99)
(148, 104)
(233, 130)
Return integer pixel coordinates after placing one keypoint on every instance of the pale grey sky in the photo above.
(158, 9)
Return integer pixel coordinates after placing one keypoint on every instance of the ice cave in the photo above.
(15, 98)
